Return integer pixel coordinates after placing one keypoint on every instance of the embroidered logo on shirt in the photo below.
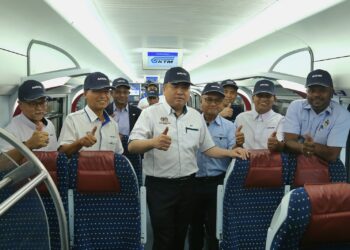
(325, 124)
(164, 120)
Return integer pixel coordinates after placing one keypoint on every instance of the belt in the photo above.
(211, 178)
(162, 179)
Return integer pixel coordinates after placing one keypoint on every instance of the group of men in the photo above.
(186, 154)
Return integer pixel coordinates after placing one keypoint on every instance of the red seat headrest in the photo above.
(96, 172)
(265, 169)
(311, 170)
(330, 214)
(49, 160)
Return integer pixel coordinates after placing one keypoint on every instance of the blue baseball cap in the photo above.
(264, 86)
(319, 77)
(213, 87)
(96, 81)
(229, 82)
(31, 90)
(121, 82)
(177, 75)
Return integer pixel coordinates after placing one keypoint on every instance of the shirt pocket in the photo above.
(221, 141)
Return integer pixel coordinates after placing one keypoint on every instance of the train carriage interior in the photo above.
(59, 42)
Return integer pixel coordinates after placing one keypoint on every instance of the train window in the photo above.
(56, 112)
(54, 57)
(297, 63)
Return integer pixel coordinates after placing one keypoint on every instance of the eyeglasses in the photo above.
(35, 104)
(210, 100)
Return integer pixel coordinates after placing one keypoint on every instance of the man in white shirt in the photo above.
(91, 128)
(31, 127)
(170, 134)
(261, 128)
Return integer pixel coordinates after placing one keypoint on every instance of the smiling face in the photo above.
(263, 102)
(97, 100)
(34, 110)
(121, 95)
(177, 95)
(211, 104)
(230, 95)
(319, 97)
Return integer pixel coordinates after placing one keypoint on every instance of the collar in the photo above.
(93, 117)
(264, 116)
(29, 123)
(124, 109)
(170, 110)
(328, 110)
(217, 120)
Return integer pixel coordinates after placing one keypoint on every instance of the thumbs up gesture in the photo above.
(39, 138)
(239, 136)
(227, 112)
(272, 142)
(89, 139)
(163, 141)
(308, 148)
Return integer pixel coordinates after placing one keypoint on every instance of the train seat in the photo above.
(135, 159)
(312, 217)
(313, 170)
(105, 212)
(57, 166)
(252, 192)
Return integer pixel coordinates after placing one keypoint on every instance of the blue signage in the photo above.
(152, 78)
(161, 60)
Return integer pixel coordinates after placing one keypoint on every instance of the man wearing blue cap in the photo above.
(122, 112)
(230, 109)
(152, 97)
(150, 86)
(31, 127)
(170, 134)
(261, 128)
(91, 128)
(317, 126)
(211, 171)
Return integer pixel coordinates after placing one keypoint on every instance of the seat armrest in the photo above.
(219, 211)
(143, 209)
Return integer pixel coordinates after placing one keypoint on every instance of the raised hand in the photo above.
(227, 112)
(272, 142)
(239, 136)
(163, 141)
(89, 139)
(39, 138)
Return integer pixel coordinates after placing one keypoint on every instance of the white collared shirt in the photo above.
(188, 133)
(257, 128)
(79, 123)
(23, 128)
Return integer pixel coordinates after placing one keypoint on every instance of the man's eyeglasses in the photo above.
(210, 100)
(38, 103)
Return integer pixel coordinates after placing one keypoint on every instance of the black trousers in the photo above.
(170, 203)
(203, 223)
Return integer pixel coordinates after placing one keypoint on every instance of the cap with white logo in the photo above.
(319, 77)
(213, 87)
(177, 75)
(229, 82)
(31, 90)
(264, 86)
(96, 81)
(121, 82)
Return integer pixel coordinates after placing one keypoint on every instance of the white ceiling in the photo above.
(187, 25)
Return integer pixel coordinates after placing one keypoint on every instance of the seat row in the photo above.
(102, 200)
(254, 188)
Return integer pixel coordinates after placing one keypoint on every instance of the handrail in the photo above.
(42, 176)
